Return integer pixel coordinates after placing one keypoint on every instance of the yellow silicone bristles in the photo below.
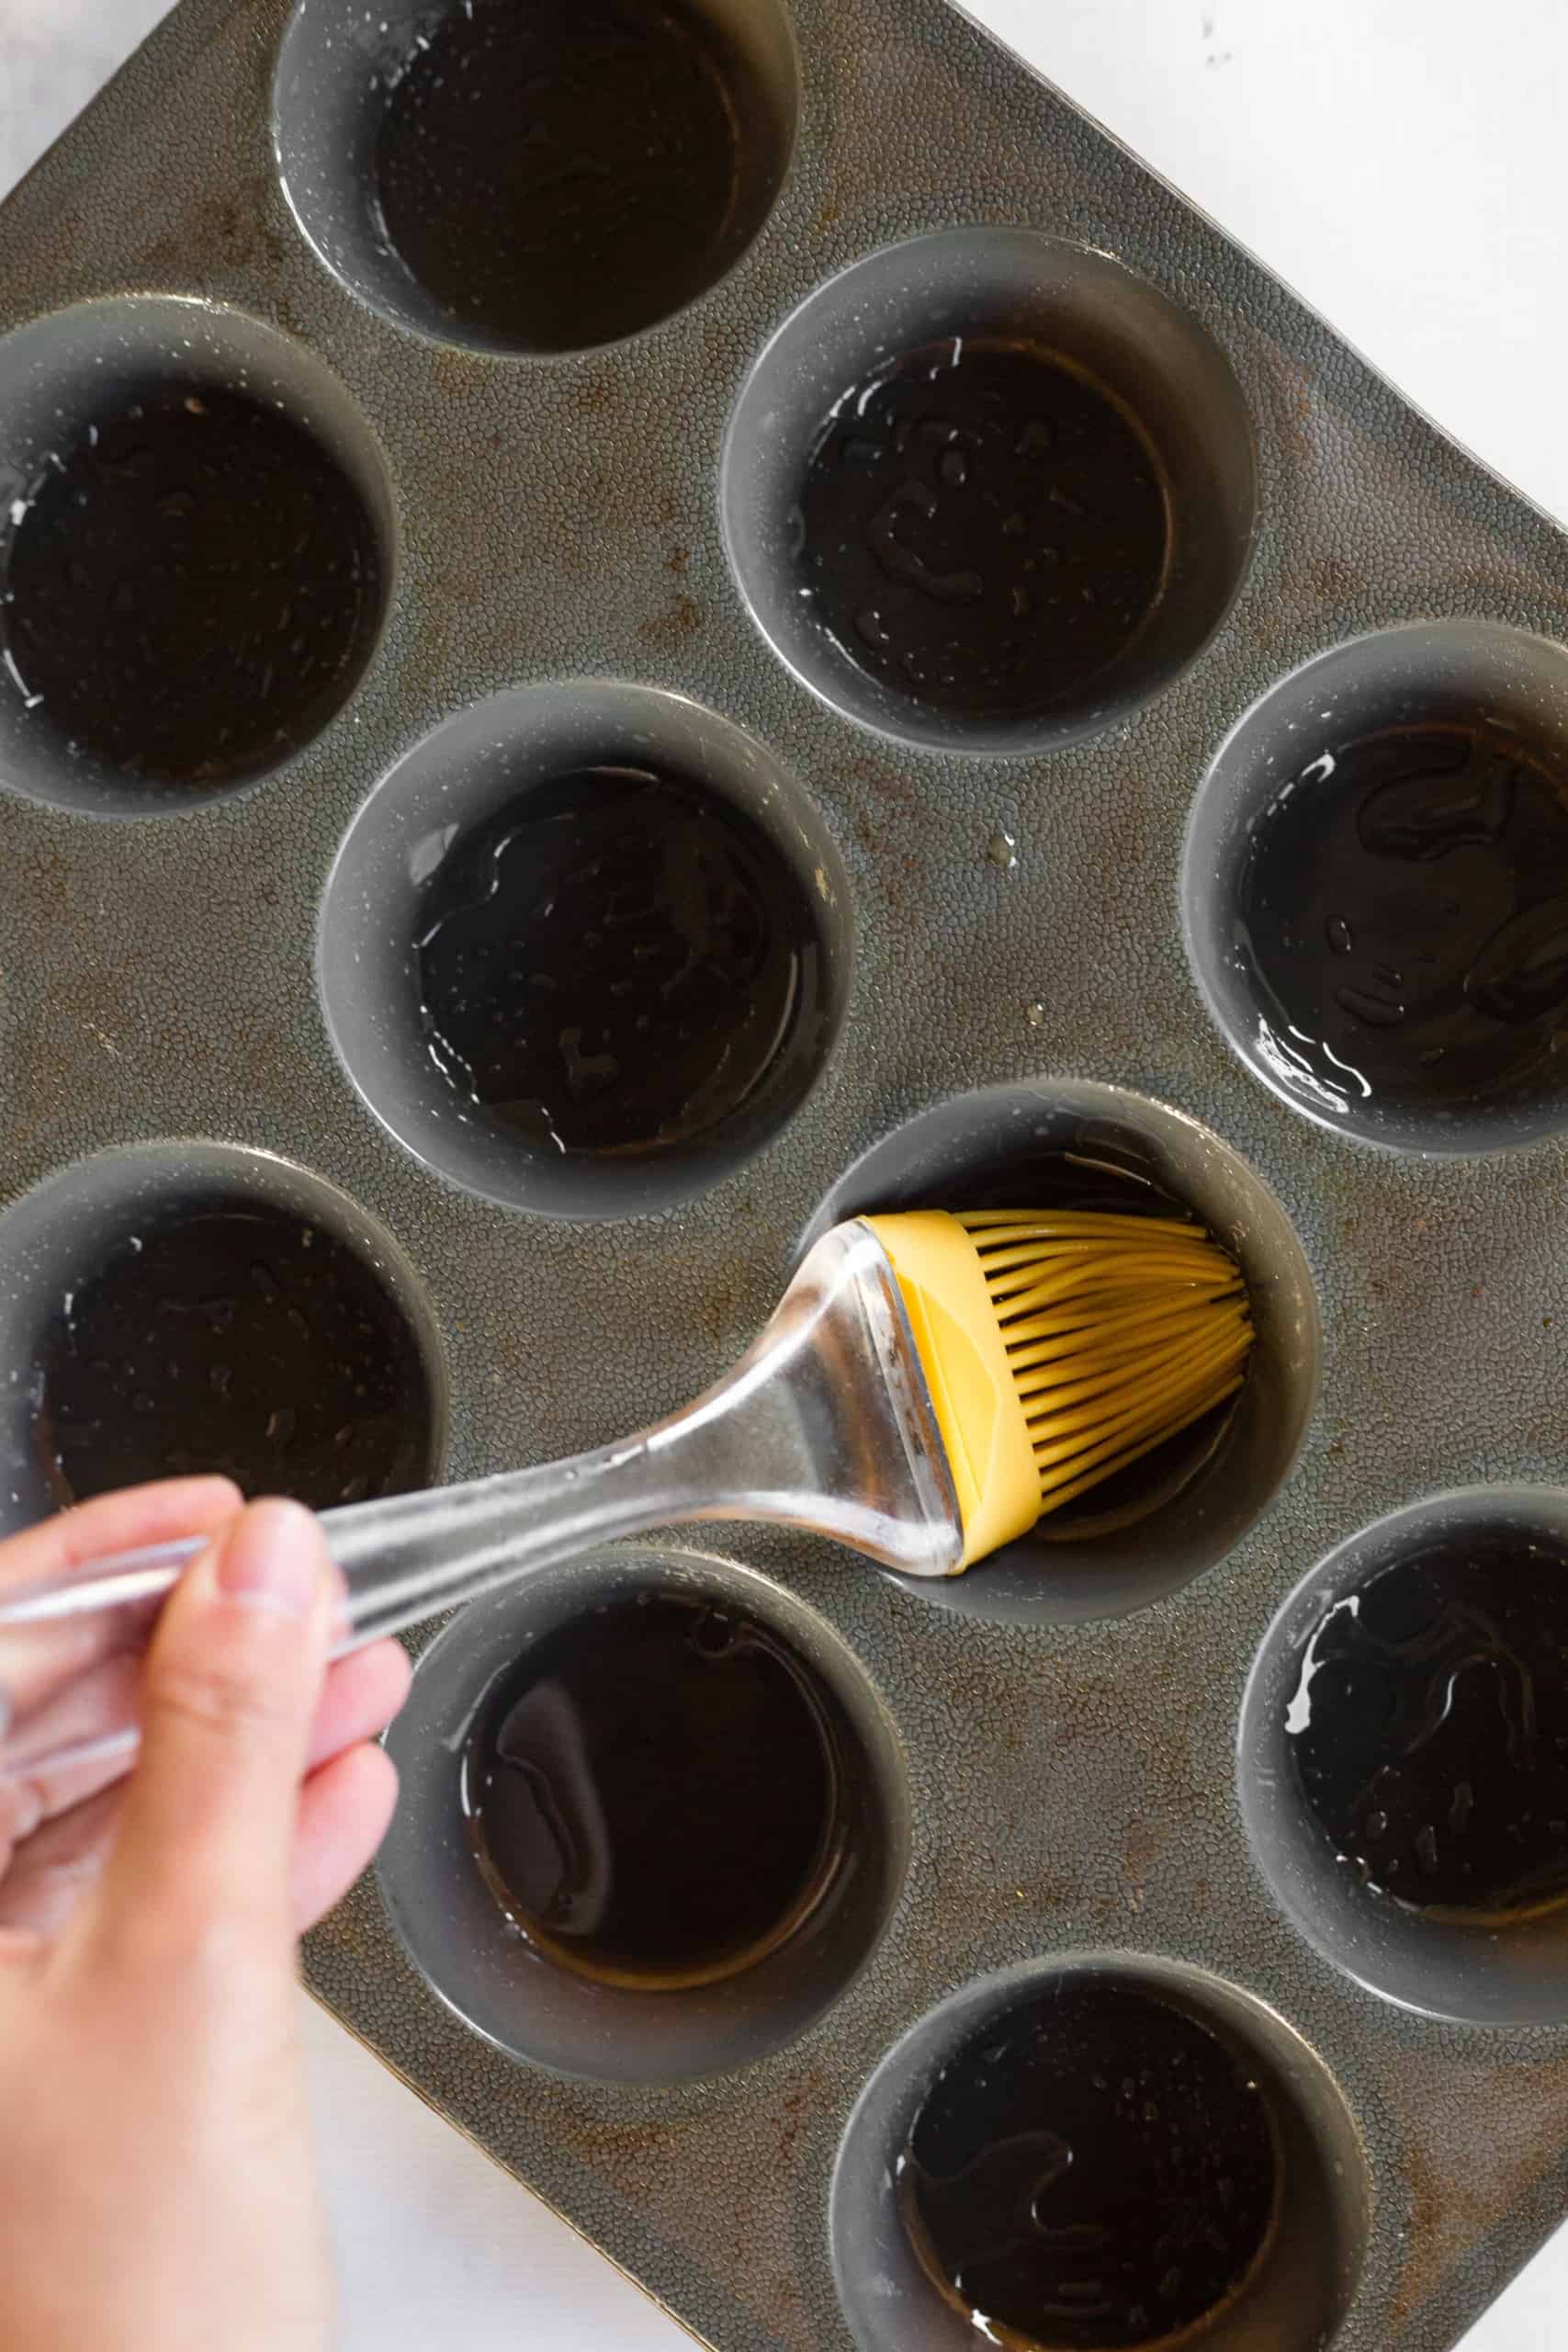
(1119, 1330)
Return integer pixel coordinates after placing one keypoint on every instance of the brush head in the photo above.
(1059, 1346)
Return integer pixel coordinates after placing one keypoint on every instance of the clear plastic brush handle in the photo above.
(826, 1424)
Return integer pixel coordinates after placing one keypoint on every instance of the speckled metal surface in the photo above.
(1072, 1788)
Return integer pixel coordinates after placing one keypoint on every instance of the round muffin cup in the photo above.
(1158, 364)
(64, 373)
(453, 782)
(1298, 2289)
(54, 1236)
(1475, 1972)
(1090, 1565)
(335, 65)
(476, 1958)
(1432, 672)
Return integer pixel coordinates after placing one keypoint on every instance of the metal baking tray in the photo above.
(597, 540)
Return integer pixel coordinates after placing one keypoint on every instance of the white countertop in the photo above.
(1399, 161)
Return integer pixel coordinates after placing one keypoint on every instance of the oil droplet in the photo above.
(1002, 851)
(1424, 816)
(1521, 974)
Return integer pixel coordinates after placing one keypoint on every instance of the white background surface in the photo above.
(1400, 161)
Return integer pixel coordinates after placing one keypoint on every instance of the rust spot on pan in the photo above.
(674, 628)
(1469, 2158)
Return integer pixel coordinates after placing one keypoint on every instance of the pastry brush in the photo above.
(929, 1386)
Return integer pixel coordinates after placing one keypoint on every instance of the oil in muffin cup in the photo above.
(197, 546)
(1374, 888)
(655, 1817)
(586, 949)
(1078, 1143)
(523, 179)
(987, 491)
(186, 1306)
(1103, 2152)
(1403, 1760)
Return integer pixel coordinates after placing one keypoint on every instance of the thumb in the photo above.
(231, 1682)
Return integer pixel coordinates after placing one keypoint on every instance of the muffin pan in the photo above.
(574, 548)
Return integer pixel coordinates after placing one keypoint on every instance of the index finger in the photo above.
(38, 1661)
(126, 1521)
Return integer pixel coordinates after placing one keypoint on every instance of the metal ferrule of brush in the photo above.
(826, 1424)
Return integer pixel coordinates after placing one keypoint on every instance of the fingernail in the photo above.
(272, 1559)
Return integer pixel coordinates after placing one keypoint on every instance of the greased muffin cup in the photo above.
(1048, 922)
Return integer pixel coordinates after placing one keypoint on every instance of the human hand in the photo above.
(157, 2175)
